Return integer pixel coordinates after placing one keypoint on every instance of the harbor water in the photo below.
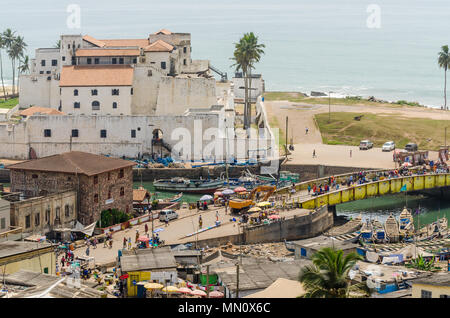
(430, 208)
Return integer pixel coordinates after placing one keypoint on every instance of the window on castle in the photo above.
(89, 60)
(114, 105)
(163, 65)
(115, 91)
(94, 92)
(27, 221)
(122, 191)
(37, 219)
(95, 179)
(97, 60)
(133, 133)
(103, 133)
(54, 62)
(95, 198)
(76, 105)
(95, 105)
(75, 92)
(47, 132)
(75, 133)
(121, 173)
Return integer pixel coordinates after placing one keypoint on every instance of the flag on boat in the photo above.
(403, 188)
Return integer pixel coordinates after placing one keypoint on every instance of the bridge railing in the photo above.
(338, 178)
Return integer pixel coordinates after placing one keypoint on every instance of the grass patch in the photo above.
(9, 103)
(344, 130)
(296, 97)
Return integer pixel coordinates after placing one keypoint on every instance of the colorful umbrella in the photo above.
(206, 197)
(153, 286)
(255, 209)
(227, 191)
(199, 292)
(185, 290)
(274, 217)
(218, 193)
(240, 189)
(143, 239)
(170, 289)
(263, 204)
(216, 294)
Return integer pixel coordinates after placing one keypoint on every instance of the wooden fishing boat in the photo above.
(378, 233)
(350, 227)
(366, 231)
(175, 198)
(406, 225)
(391, 229)
(188, 186)
(289, 246)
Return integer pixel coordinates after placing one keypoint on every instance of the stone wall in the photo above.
(291, 229)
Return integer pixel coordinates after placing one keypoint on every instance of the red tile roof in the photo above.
(126, 42)
(74, 162)
(159, 46)
(163, 31)
(43, 110)
(94, 41)
(96, 75)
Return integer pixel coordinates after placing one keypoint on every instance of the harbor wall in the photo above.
(306, 172)
(297, 228)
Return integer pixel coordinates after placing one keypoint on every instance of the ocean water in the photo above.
(321, 45)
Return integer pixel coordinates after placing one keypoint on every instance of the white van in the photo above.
(170, 215)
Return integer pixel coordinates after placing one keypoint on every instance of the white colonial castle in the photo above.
(117, 97)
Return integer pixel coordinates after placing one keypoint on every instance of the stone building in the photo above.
(40, 215)
(101, 183)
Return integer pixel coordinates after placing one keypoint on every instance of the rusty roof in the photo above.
(96, 75)
(74, 162)
(159, 46)
(43, 110)
(106, 52)
(139, 195)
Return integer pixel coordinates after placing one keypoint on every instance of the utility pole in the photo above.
(445, 137)
(286, 147)
(237, 280)
(207, 281)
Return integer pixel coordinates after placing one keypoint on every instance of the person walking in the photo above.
(124, 243)
(87, 251)
(95, 242)
(306, 130)
(217, 215)
(129, 243)
(309, 188)
(146, 228)
(350, 153)
(62, 261)
(166, 220)
(137, 236)
(110, 243)
(200, 221)
(314, 153)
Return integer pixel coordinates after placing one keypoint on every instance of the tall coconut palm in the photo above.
(15, 53)
(24, 67)
(444, 62)
(246, 54)
(58, 44)
(2, 45)
(328, 276)
(8, 39)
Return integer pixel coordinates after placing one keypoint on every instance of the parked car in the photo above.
(411, 147)
(388, 146)
(365, 145)
(170, 214)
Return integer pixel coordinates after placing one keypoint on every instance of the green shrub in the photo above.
(114, 216)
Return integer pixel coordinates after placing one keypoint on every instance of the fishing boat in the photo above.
(366, 231)
(433, 230)
(175, 198)
(406, 225)
(391, 229)
(289, 246)
(378, 233)
(350, 227)
(188, 185)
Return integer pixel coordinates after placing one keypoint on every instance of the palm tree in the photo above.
(2, 45)
(24, 67)
(58, 44)
(444, 62)
(8, 39)
(328, 276)
(15, 53)
(247, 52)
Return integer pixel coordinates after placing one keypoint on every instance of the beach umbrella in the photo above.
(227, 191)
(143, 239)
(170, 289)
(153, 286)
(206, 197)
(255, 209)
(216, 294)
(406, 164)
(198, 292)
(274, 217)
(263, 204)
(240, 189)
(254, 215)
(185, 290)
(218, 193)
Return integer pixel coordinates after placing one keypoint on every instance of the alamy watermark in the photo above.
(374, 19)
(74, 19)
